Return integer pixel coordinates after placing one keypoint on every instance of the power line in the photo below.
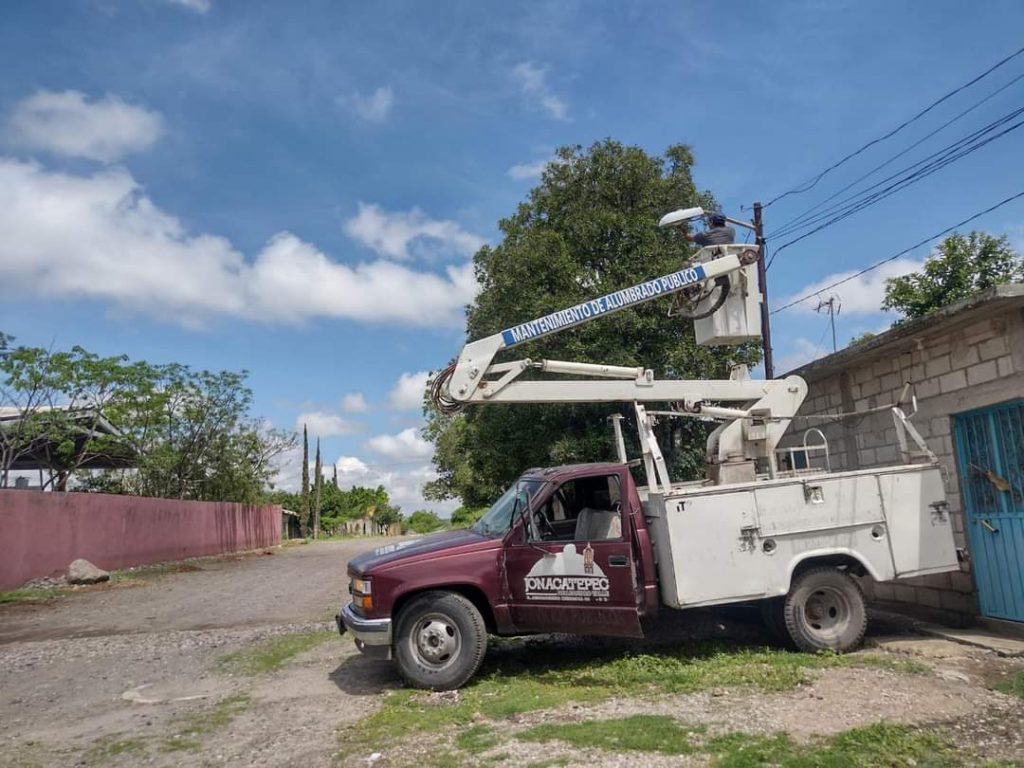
(895, 256)
(810, 183)
(925, 166)
(803, 216)
(947, 156)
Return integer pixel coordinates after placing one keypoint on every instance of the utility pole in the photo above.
(762, 278)
(833, 310)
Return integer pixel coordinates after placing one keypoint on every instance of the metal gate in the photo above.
(990, 450)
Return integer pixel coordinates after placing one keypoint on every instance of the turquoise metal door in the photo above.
(990, 450)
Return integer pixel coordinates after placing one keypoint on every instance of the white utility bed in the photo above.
(722, 544)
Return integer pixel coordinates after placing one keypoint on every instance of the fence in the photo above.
(43, 532)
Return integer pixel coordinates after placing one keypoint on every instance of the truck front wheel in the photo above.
(440, 641)
(825, 611)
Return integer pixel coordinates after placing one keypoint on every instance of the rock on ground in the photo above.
(83, 572)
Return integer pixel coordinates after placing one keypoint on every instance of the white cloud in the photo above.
(407, 394)
(99, 237)
(404, 234)
(67, 123)
(374, 108)
(404, 446)
(354, 402)
(323, 424)
(533, 82)
(526, 171)
(862, 295)
(800, 351)
(199, 6)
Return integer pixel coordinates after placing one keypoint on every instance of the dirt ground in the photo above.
(134, 674)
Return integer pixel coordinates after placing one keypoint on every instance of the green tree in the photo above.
(386, 515)
(179, 433)
(589, 228)
(960, 267)
(60, 404)
(464, 517)
(424, 521)
(304, 509)
(318, 485)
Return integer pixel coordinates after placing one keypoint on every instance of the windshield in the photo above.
(499, 518)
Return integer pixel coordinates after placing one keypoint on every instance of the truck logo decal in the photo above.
(567, 576)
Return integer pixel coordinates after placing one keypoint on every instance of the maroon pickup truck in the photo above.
(565, 549)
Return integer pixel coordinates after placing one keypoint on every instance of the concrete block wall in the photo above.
(960, 367)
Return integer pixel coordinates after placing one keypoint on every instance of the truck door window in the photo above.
(583, 509)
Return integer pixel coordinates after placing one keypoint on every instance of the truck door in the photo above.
(572, 568)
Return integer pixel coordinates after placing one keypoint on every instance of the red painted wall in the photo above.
(43, 532)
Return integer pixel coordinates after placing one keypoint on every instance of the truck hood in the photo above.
(404, 550)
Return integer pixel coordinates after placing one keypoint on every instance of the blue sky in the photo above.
(296, 188)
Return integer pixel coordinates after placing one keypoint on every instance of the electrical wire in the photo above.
(803, 216)
(924, 167)
(947, 156)
(810, 183)
(895, 256)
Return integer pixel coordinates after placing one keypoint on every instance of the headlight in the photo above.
(362, 587)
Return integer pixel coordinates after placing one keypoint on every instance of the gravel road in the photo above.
(133, 673)
(245, 590)
(110, 676)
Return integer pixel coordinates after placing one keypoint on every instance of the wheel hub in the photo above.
(827, 610)
(437, 640)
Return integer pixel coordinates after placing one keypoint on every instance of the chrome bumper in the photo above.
(365, 631)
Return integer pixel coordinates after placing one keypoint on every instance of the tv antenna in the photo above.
(833, 305)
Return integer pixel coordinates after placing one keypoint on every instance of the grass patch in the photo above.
(191, 729)
(877, 746)
(477, 738)
(110, 748)
(271, 655)
(639, 733)
(1013, 686)
(539, 676)
(29, 596)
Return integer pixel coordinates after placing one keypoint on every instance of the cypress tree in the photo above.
(304, 512)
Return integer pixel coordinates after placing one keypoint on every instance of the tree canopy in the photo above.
(424, 521)
(338, 505)
(962, 266)
(181, 433)
(589, 228)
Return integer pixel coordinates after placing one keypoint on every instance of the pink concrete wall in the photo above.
(43, 532)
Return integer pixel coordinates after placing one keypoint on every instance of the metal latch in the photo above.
(940, 511)
(814, 494)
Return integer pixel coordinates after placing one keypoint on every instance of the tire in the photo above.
(774, 620)
(440, 641)
(825, 611)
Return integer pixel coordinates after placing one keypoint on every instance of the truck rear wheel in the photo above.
(825, 611)
(440, 641)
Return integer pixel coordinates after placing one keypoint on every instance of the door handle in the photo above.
(618, 561)
(989, 527)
